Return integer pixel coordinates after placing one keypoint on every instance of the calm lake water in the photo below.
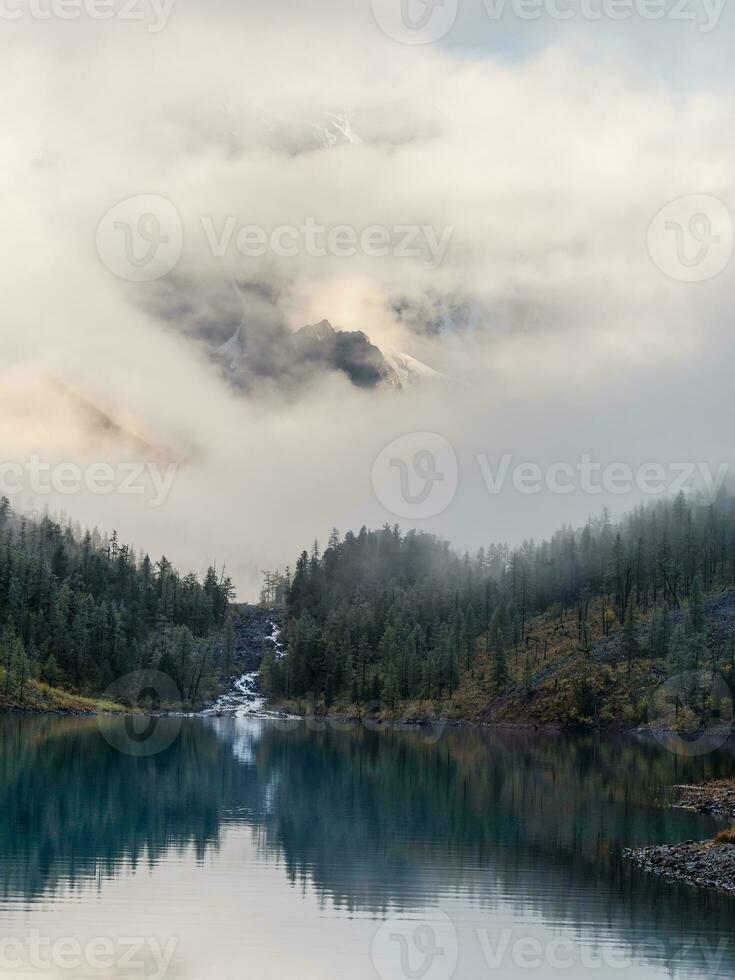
(247, 848)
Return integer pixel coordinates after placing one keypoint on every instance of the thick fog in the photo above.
(497, 215)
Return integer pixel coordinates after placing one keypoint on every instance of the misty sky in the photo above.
(569, 318)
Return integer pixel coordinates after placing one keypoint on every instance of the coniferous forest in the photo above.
(559, 630)
(380, 617)
(78, 611)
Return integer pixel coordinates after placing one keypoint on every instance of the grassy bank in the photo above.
(38, 696)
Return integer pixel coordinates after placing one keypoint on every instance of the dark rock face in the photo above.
(253, 627)
(341, 350)
(704, 864)
(274, 354)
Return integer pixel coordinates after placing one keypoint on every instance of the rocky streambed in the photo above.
(255, 630)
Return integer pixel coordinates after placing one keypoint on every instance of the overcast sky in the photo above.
(568, 182)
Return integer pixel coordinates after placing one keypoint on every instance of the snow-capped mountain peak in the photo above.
(321, 346)
(231, 352)
(408, 369)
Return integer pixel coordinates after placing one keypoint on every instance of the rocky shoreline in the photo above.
(717, 797)
(705, 864)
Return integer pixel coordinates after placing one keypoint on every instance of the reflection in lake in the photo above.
(283, 848)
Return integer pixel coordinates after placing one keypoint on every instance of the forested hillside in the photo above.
(78, 611)
(384, 618)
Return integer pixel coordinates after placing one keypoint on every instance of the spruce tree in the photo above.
(696, 607)
(500, 672)
(527, 673)
(629, 643)
(658, 633)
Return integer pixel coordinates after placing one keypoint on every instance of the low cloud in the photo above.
(546, 300)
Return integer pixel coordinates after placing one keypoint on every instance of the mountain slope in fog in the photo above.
(320, 347)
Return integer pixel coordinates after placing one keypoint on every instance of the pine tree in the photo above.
(629, 643)
(679, 659)
(50, 671)
(658, 640)
(500, 672)
(695, 611)
(229, 647)
(695, 625)
(528, 673)
(451, 671)
(390, 690)
(679, 665)
(269, 675)
(729, 666)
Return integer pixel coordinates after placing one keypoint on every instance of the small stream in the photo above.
(245, 697)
